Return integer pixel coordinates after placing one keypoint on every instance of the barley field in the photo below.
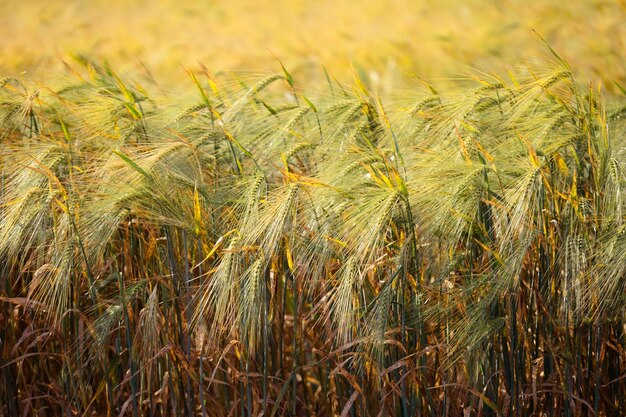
(288, 208)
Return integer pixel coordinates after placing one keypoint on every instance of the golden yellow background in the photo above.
(433, 38)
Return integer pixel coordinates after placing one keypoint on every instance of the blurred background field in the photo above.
(432, 39)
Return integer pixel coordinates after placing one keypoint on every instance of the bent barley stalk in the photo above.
(453, 252)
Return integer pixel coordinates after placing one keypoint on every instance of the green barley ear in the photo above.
(215, 298)
(343, 303)
(249, 318)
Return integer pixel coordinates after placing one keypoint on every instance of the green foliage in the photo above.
(234, 249)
